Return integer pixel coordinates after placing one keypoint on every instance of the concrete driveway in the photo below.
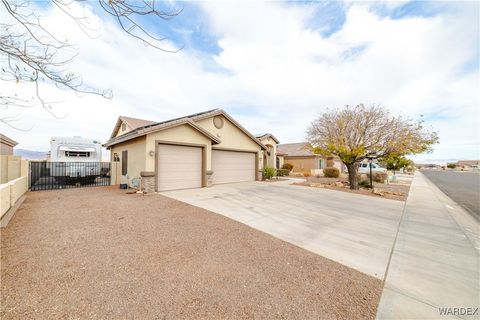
(355, 230)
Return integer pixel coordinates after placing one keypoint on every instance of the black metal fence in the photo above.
(61, 175)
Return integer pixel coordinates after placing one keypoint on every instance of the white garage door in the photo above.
(178, 167)
(230, 166)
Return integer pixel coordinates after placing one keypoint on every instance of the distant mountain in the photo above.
(435, 161)
(30, 154)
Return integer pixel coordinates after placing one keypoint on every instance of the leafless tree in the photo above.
(31, 53)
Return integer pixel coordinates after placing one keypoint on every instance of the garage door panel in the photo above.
(179, 167)
(231, 166)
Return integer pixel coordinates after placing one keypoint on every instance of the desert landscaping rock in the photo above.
(393, 191)
(99, 253)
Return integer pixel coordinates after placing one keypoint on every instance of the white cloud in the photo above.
(281, 73)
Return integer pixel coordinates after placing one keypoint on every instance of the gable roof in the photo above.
(216, 112)
(301, 149)
(133, 123)
(151, 126)
(139, 132)
(266, 135)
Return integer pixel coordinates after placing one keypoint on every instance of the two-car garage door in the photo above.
(181, 167)
(232, 166)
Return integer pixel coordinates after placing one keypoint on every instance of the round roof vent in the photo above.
(218, 122)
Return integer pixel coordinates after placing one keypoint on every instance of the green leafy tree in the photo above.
(355, 133)
(395, 162)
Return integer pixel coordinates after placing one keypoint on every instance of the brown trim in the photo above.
(160, 127)
(268, 135)
(256, 167)
(176, 123)
(147, 173)
(305, 157)
(183, 144)
(7, 141)
(234, 150)
(124, 162)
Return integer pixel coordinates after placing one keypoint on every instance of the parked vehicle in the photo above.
(364, 167)
(75, 159)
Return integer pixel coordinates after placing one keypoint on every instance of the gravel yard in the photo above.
(102, 253)
(393, 191)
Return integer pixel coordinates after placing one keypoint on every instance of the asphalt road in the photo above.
(462, 187)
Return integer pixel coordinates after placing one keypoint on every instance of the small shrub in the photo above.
(378, 176)
(269, 172)
(364, 183)
(307, 174)
(331, 172)
(287, 166)
(282, 172)
(451, 165)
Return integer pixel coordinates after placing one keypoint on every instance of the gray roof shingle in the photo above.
(300, 149)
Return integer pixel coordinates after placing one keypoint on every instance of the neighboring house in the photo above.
(302, 158)
(468, 164)
(270, 156)
(189, 152)
(6, 145)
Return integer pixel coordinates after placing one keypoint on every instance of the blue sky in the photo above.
(275, 66)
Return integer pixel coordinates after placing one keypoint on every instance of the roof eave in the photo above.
(217, 112)
(8, 141)
(164, 126)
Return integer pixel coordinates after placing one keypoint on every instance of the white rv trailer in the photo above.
(73, 158)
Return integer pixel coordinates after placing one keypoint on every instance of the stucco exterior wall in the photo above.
(120, 132)
(18, 187)
(6, 149)
(11, 197)
(281, 162)
(3, 169)
(231, 136)
(271, 159)
(12, 167)
(4, 198)
(182, 134)
(136, 158)
(301, 164)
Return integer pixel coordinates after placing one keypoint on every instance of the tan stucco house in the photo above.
(194, 151)
(467, 164)
(270, 156)
(302, 158)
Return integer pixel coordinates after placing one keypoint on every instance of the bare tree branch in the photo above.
(31, 54)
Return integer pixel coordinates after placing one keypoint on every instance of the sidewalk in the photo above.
(435, 260)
